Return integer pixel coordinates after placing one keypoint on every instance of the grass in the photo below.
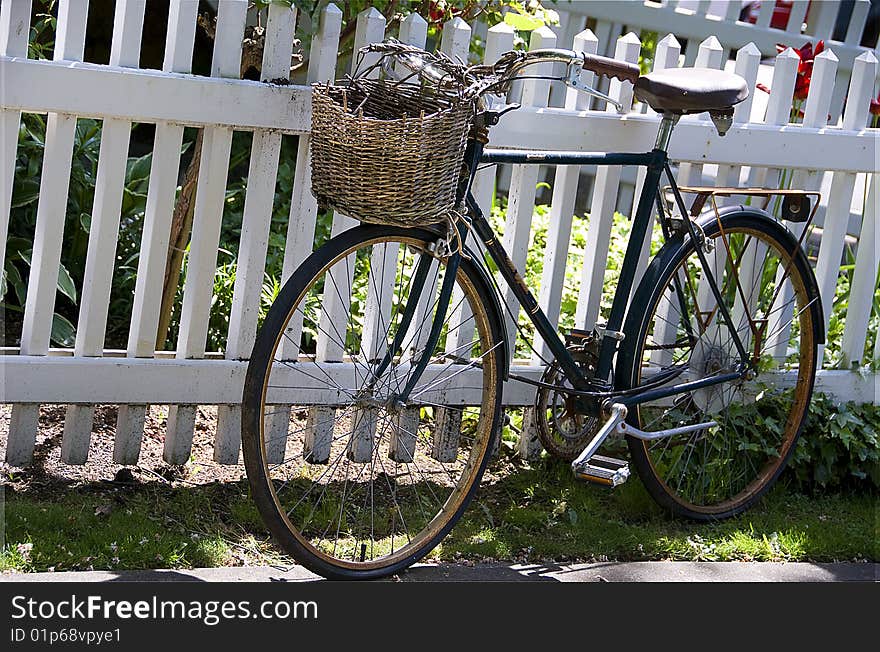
(538, 513)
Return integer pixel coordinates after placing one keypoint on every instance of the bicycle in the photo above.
(366, 436)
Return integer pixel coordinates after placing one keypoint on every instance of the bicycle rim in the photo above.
(721, 469)
(355, 484)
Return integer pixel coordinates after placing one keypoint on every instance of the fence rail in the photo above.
(120, 94)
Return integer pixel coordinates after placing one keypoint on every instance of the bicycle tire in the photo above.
(680, 494)
(472, 457)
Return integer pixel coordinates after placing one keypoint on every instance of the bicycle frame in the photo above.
(656, 162)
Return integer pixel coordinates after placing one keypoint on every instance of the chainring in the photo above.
(563, 431)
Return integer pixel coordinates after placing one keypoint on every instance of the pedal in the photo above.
(603, 470)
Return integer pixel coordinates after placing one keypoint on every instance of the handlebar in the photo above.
(600, 65)
(475, 81)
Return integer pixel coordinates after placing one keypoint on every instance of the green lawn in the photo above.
(537, 513)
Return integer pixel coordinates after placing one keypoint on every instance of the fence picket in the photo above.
(499, 39)
(14, 26)
(748, 60)
(857, 21)
(301, 221)
(336, 305)
(256, 219)
(765, 14)
(413, 31)
(558, 241)
(562, 210)
(602, 207)
(861, 90)
(207, 217)
(666, 56)
(524, 178)
(796, 17)
(51, 213)
(104, 229)
(864, 279)
(815, 116)
(518, 221)
(709, 55)
(179, 40)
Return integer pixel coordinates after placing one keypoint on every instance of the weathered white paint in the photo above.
(257, 217)
(93, 91)
(58, 379)
(201, 262)
(51, 210)
(603, 202)
(14, 25)
(861, 91)
(521, 200)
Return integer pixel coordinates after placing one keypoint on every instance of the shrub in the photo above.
(838, 447)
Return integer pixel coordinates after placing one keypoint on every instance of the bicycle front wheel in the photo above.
(769, 290)
(350, 481)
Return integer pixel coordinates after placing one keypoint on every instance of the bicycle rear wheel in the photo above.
(351, 483)
(768, 288)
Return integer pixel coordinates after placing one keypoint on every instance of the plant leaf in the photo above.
(65, 283)
(63, 332)
(523, 22)
(14, 279)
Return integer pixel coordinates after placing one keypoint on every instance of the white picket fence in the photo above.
(121, 94)
(690, 21)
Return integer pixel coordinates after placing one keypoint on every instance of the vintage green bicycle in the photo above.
(373, 396)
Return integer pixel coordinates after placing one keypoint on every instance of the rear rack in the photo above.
(796, 203)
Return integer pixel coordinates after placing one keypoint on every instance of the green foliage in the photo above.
(22, 224)
(839, 447)
(649, 49)
(41, 40)
(620, 229)
(528, 16)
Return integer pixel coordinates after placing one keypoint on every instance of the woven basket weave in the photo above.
(387, 153)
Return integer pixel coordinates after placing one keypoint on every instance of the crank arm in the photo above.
(626, 429)
(616, 424)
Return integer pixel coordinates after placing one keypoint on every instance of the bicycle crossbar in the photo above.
(520, 156)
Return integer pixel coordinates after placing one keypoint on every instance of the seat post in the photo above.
(667, 124)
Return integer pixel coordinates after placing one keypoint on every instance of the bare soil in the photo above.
(47, 469)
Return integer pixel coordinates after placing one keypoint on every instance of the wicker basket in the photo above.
(388, 153)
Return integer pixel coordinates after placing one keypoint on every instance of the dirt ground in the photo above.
(48, 468)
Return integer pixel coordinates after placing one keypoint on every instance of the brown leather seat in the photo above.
(691, 90)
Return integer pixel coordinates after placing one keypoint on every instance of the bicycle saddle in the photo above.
(691, 90)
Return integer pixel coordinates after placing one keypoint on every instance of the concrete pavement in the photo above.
(650, 571)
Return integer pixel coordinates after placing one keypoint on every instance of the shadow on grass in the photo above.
(535, 514)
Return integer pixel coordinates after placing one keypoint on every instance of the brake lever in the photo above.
(573, 80)
(492, 117)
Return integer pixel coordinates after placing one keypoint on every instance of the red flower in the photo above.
(439, 13)
(807, 55)
(875, 106)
